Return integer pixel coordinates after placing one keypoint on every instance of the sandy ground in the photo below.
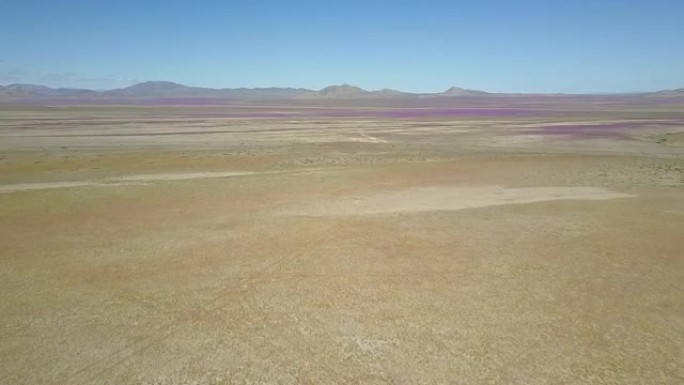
(442, 198)
(139, 248)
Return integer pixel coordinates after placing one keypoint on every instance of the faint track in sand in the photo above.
(137, 179)
(441, 198)
(371, 139)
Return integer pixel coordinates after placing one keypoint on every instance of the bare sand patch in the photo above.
(171, 176)
(451, 199)
(41, 186)
(674, 139)
(506, 140)
(128, 180)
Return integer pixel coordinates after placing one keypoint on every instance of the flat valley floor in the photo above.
(219, 245)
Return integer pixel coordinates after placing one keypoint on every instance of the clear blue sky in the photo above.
(421, 45)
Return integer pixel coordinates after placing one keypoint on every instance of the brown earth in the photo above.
(430, 251)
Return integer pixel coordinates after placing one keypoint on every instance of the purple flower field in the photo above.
(407, 113)
(613, 130)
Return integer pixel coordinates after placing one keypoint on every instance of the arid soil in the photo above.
(186, 245)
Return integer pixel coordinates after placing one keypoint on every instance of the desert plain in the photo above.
(338, 244)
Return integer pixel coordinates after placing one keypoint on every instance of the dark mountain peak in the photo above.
(342, 87)
(455, 90)
(157, 88)
(462, 91)
(156, 85)
(344, 90)
(389, 91)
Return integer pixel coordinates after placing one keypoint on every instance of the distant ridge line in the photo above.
(154, 90)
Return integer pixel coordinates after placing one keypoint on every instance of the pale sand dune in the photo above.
(452, 199)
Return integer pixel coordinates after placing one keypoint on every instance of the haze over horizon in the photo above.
(427, 46)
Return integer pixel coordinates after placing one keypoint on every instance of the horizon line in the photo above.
(342, 85)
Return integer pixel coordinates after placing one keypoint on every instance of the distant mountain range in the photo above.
(164, 89)
(156, 89)
(169, 91)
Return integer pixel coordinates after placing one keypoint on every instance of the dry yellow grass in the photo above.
(207, 281)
